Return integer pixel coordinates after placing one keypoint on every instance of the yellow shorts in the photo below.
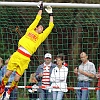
(18, 63)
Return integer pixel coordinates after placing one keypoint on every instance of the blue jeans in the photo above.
(98, 94)
(57, 95)
(44, 95)
(83, 94)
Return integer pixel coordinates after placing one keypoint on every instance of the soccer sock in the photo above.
(4, 81)
(13, 85)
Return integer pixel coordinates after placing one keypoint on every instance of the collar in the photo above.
(60, 68)
(85, 63)
(47, 65)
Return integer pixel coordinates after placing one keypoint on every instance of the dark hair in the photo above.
(61, 54)
(38, 25)
(61, 57)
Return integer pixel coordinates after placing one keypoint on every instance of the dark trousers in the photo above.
(33, 96)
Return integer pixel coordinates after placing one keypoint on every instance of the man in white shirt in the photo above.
(85, 73)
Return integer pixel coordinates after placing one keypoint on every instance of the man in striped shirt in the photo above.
(43, 73)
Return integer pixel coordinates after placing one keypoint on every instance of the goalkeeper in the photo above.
(27, 45)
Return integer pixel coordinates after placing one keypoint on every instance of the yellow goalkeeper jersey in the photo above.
(31, 40)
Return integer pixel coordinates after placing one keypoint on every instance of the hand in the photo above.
(97, 75)
(41, 74)
(40, 5)
(80, 71)
(49, 10)
(76, 70)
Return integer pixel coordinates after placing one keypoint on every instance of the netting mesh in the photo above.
(75, 30)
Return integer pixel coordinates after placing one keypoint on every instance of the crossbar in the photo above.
(68, 5)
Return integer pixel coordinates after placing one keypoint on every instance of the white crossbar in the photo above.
(68, 5)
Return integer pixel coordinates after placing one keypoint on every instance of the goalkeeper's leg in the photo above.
(4, 82)
(13, 85)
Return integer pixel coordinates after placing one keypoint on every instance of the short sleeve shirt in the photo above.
(88, 67)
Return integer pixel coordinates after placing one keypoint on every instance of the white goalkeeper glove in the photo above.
(49, 10)
(40, 5)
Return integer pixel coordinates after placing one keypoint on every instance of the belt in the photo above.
(23, 53)
(84, 81)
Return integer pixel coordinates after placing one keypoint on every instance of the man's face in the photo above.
(39, 29)
(47, 60)
(83, 57)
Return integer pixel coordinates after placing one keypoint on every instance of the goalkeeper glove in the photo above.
(49, 10)
(40, 5)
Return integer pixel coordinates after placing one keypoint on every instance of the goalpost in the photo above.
(76, 29)
(70, 5)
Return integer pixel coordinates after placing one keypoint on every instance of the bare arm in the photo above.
(40, 5)
(86, 73)
(51, 19)
(38, 17)
(76, 70)
(40, 12)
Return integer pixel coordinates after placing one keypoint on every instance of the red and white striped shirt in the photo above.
(46, 75)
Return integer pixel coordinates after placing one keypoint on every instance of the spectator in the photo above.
(43, 73)
(64, 62)
(58, 78)
(33, 94)
(98, 77)
(1, 64)
(13, 95)
(86, 72)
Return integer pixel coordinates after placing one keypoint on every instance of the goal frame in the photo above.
(68, 5)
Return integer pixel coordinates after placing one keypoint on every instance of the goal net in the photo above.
(77, 29)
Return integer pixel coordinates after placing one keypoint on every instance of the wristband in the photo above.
(51, 14)
(41, 7)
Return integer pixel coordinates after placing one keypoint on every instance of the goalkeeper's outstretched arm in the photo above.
(51, 18)
(38, 17)
(40, 5)
(40, 12)
(49, 11)
(48, 30)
